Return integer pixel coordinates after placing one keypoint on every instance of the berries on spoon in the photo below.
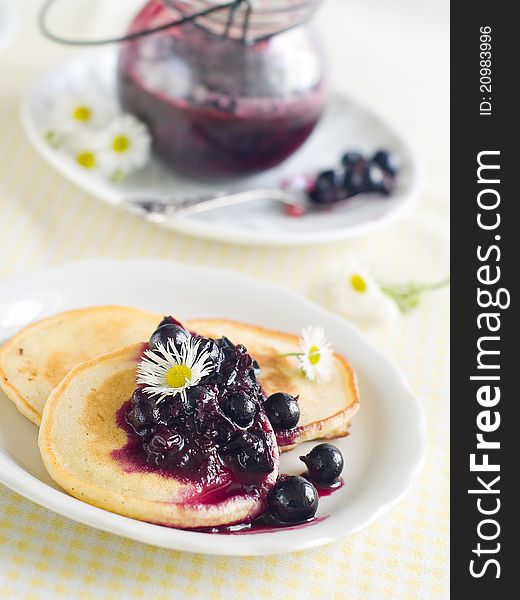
(387, 161)
(166, 332)
(359, 175)
(354, 180)
(351, 158)
(324, 464)
(376, 180)
(328, 188)
(240, 409)
(292, 500)
(282, 410)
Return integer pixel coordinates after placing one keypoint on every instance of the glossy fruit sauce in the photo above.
(261, 525)
(217, 108)
(194, 441)
(217, 438)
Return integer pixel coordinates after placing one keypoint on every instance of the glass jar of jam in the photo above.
(227, 94)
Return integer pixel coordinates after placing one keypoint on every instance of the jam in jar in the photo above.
(218, 107)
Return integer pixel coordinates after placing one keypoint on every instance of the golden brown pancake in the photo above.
(82, 447)
(35, 360)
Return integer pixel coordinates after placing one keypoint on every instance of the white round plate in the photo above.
(347, 124)
(383, 453)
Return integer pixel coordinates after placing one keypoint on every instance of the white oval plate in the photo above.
(347, 124)
(383, 453)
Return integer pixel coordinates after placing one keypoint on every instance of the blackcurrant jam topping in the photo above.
(248, 453)
(240, 408)
(218, 433)
(215, 434)
(176, 334)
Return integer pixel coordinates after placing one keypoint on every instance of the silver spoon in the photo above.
(162, 210)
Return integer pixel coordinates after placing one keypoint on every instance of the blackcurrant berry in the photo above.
(328, 188)
(387, 161)
(282, 410)
(292, 500)
(240, 409)
(324, 463)
(165, 333)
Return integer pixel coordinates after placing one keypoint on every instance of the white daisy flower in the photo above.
(83, 149)
(354, 293)
(125, 145)
(167, 371)
(72, 113)
(316, 354)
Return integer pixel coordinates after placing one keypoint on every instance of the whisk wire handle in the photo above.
(232, 6)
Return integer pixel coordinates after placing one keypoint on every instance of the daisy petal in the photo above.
(125, 144)
(355, 294)
(161, 371)
(316, 354)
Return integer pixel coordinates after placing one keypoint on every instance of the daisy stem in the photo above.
(314, 353)
(408, 295)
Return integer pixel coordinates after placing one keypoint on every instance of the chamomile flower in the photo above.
(168, 370)
(316, 354)
(72, 113)
(125, 145)
(354, 293)
(83, 149)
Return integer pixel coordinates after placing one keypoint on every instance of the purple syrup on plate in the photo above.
(287, 437)
(261, 525)
(217, 108)
(324, 491)
(264, 524)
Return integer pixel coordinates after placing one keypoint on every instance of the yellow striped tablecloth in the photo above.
(46, 221)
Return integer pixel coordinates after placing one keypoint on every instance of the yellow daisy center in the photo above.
(82, 113)
(314, 355)
(178, 375)
(358, 283)
(120, 143)
(87, 160)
